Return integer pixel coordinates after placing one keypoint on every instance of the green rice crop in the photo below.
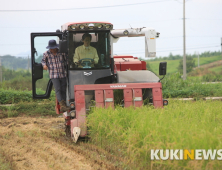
(131, 133)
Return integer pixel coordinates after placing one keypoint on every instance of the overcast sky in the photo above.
(203, 22)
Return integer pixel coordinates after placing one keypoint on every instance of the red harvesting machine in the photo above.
(89, 81)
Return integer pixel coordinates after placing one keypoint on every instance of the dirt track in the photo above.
(39, 143)
(210, 65)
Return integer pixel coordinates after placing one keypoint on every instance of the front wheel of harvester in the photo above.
(84, 139)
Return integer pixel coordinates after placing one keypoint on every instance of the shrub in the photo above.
(15, 96)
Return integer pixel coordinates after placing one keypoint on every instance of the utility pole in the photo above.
(184, 45)
(197, 55)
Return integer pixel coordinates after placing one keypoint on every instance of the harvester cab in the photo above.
(95, 75)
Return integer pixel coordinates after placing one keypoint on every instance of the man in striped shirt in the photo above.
(55, 62)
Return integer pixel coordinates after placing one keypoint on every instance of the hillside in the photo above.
(172, 65)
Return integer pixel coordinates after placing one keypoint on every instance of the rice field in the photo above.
(132, 133)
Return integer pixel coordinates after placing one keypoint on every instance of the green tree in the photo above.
(190, 63)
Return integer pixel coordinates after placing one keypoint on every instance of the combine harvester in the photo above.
(88, 81)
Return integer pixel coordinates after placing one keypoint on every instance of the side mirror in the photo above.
(162, 68)
(63, 46)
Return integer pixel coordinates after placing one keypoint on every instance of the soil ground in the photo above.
(40, 143)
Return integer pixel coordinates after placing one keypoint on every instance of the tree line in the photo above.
(15, 63)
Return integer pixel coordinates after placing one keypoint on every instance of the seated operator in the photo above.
(85, 50)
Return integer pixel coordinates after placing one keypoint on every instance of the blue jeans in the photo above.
(60, 88)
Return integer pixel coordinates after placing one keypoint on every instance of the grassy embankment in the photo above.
(172, 65)
(132, 133)
(216, 69)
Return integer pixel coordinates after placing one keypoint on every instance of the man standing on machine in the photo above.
(55, 62)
